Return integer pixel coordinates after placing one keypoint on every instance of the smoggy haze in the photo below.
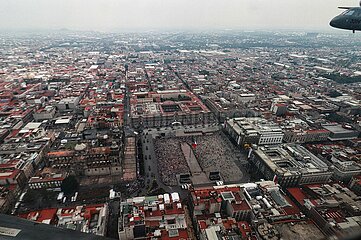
(168, 14)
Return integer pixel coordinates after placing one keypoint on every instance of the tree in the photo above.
(69, 185)
(334, 93)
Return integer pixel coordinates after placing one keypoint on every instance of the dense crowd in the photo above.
(171, 160)
(216, 153)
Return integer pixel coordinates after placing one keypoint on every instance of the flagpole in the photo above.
(190, 153)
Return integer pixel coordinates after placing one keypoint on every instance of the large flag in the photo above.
(194, 143)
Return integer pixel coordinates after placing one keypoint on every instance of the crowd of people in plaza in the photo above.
(216, 153)
(171, 160)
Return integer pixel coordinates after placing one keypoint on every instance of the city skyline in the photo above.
(125, 15)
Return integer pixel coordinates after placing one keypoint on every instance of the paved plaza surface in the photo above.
(214, 152)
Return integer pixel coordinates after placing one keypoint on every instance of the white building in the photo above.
(254, 131)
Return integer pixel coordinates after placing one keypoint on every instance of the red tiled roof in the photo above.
(44, 214)
(244, 227)
(336, 215)
(298, 194)
(60, 153)
(9, 164)
(12, 174)
(242, 206)
(202, 224)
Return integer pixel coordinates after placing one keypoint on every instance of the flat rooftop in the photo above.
(16, 228)
(337, 129)
(299, 231)
(290, 159)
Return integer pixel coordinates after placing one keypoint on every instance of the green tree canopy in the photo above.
(69, 185)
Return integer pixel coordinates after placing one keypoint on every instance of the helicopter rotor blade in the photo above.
(344, 7)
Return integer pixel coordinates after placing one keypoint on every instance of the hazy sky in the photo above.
(110, 15)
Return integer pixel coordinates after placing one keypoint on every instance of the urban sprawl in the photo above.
(227, 135)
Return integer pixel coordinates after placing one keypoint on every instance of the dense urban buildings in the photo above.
(213, 135)
(290, 165)
(161, 216)
(333, 207)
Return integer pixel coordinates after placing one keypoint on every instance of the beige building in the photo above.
(291, 164)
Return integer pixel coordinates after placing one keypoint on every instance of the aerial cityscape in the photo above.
(208, 135)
